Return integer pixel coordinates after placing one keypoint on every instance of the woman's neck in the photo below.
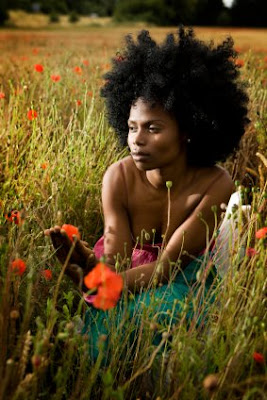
(177, 174)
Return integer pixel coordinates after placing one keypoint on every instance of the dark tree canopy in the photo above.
(249, 13)
(3, 12)
(158, 12)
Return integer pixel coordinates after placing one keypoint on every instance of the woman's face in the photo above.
(153, 138)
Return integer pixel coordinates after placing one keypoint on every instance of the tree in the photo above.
(3, 12)
(249, 13)
(159, 12)
(208, 12)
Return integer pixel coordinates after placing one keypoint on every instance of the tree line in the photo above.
(158, 12)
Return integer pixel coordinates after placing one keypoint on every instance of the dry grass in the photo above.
(245, 39)
(42, 353)
(22, 19)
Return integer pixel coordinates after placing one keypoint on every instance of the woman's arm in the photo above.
(191, 236)
(117, 232)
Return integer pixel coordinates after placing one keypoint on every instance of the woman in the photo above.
(180, 108)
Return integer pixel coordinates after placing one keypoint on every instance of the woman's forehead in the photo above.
(142, 109)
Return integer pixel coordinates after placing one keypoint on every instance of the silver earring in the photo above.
(188, 140)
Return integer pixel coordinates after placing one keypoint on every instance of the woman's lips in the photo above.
(139, 156)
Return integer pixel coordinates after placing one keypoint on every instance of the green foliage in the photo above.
(249, 13)
(158, 12)
(54, 17)
(209, 12)
(43, 354)
(73, 17)
(3, 12)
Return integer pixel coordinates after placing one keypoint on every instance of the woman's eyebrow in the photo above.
(146, 122)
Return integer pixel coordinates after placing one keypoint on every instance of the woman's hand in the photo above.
(82, 258)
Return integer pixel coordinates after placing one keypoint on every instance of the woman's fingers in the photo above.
(86, 244)
(81, 255)
(61, 250)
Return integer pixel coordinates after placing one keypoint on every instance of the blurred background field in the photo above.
(55, 145)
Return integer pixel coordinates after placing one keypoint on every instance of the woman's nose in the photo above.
(140, 138)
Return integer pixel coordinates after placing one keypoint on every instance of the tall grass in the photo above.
(51, 170)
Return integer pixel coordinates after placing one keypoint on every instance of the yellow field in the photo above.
(107, 37)
(55, 145)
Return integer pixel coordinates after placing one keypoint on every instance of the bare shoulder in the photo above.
(114, 185)
(222, 177)
(117, 171)
(217, 183)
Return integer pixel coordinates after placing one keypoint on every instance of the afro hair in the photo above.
(196, 82)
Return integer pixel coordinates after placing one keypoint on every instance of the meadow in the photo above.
(55, 147)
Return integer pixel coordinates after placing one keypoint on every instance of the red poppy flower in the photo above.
(47, 274)
(35, 51)
(18, 266)
(32, 114)
(99, 274)
(250, 252)
(55, 78)
(261, 233)
(71, 230)
(85, 62)
(44, 165)
(108, 283)
(238, 49)
(78, 70)
(2, 95)
(14, 216)
(38, 67)
(239, 63)
(258, 357)
(90, 93)
(79, 103)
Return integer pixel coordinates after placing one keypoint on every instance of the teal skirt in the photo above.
(162, 306)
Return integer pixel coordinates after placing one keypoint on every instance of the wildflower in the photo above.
(78, 102)
(55, 78)
(18, 266)
(18, 91)
(36, 360)
(85, 62)
(119, 57)
(38, 67)
(105, 66)
(14, 314)
(44, 165)
(2, 95)
(261, 233)
(14, 216)
(35, 51)
(250, 252)
(71, 230)
(78, 70)
(90, 93)
(108, 283)
(258, 357)
(211, 383)
(47, 274)
(239, 63)
(32, 114)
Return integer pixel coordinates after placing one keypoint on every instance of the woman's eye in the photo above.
(131, 128)
(153, 129)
